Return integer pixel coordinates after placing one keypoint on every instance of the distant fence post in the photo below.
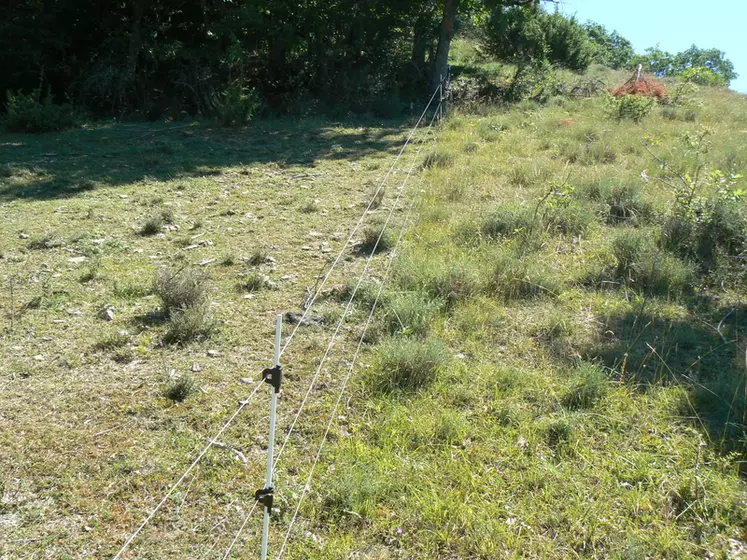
(441, 99)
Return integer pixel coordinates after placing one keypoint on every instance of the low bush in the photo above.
(437, 159)
(258, 257)
(506, 221)
(192, 323)
(235, 106)
(573, 219)
(180, 389)
(559, 434)
(153, 224)
(255, 281)
(375, 240)
(180, 289)
(625, 204)
(408, 364)
(642, 266)
(630, 107)
(31, 113)
(597, 152)
(712, 232)
(112, 341)
(454, 283)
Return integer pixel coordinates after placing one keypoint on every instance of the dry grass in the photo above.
(89, 435)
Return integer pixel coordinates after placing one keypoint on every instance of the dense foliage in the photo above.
(166, 56)
(529, 34)
(610, 48)
(703, 66)
(228, 60)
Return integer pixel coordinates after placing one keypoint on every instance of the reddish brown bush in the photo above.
(641, 84)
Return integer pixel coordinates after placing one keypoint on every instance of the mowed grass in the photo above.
(142, 268)
(564, 381)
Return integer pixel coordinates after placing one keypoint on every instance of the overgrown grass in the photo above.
(408, 364)
(590, 366)
(541, 390)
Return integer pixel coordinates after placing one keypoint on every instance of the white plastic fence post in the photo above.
(271, 444)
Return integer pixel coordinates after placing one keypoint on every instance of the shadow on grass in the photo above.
(705, 355)
(64, 164)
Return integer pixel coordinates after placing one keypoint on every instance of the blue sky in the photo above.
(674, 25)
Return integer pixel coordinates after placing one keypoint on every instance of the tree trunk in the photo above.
(419, 46)
(440, 64)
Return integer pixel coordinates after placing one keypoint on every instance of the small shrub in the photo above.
(490, 130)
(258, 257)
(229, 259)
(309, 208)
(190, 324)
(366, 292)
(31, 113)
(123, 355)
(559, 434)
(91, 271)
(706, 232)
(573, 219)
(235, 106)
(112, 341)
(641, 265)
(506, 221)
(132, 289)
(630, 107)
(625, 203)
(375, 240)
(46, 241)
(180, 289)
(408, 364)
(181, 389)
(255, 281)
(518, 177)
(153, 224)
(679, 114)
(168, 215)
(410, 313)
(598, 152)
(375, 196)
(588, 386)
(627, 249)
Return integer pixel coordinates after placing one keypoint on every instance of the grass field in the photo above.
(558, 383)
(89, 440)
(555, 370)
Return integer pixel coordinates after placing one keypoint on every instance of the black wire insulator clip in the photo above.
(264, 496)
(273, 376)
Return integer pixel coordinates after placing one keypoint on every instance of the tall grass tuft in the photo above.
(411, 313)
(407, 364)
(180, 289)
(588, 386)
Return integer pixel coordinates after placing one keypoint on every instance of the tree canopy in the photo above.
(706, 66)
(168, 57)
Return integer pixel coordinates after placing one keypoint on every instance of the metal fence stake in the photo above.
(272, 376)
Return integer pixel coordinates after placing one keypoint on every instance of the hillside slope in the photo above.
(561, 363)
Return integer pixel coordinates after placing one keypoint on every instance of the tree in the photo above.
(451, 8)
(610, 49)
(708, 66)
(712, 59)
(527, 34)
